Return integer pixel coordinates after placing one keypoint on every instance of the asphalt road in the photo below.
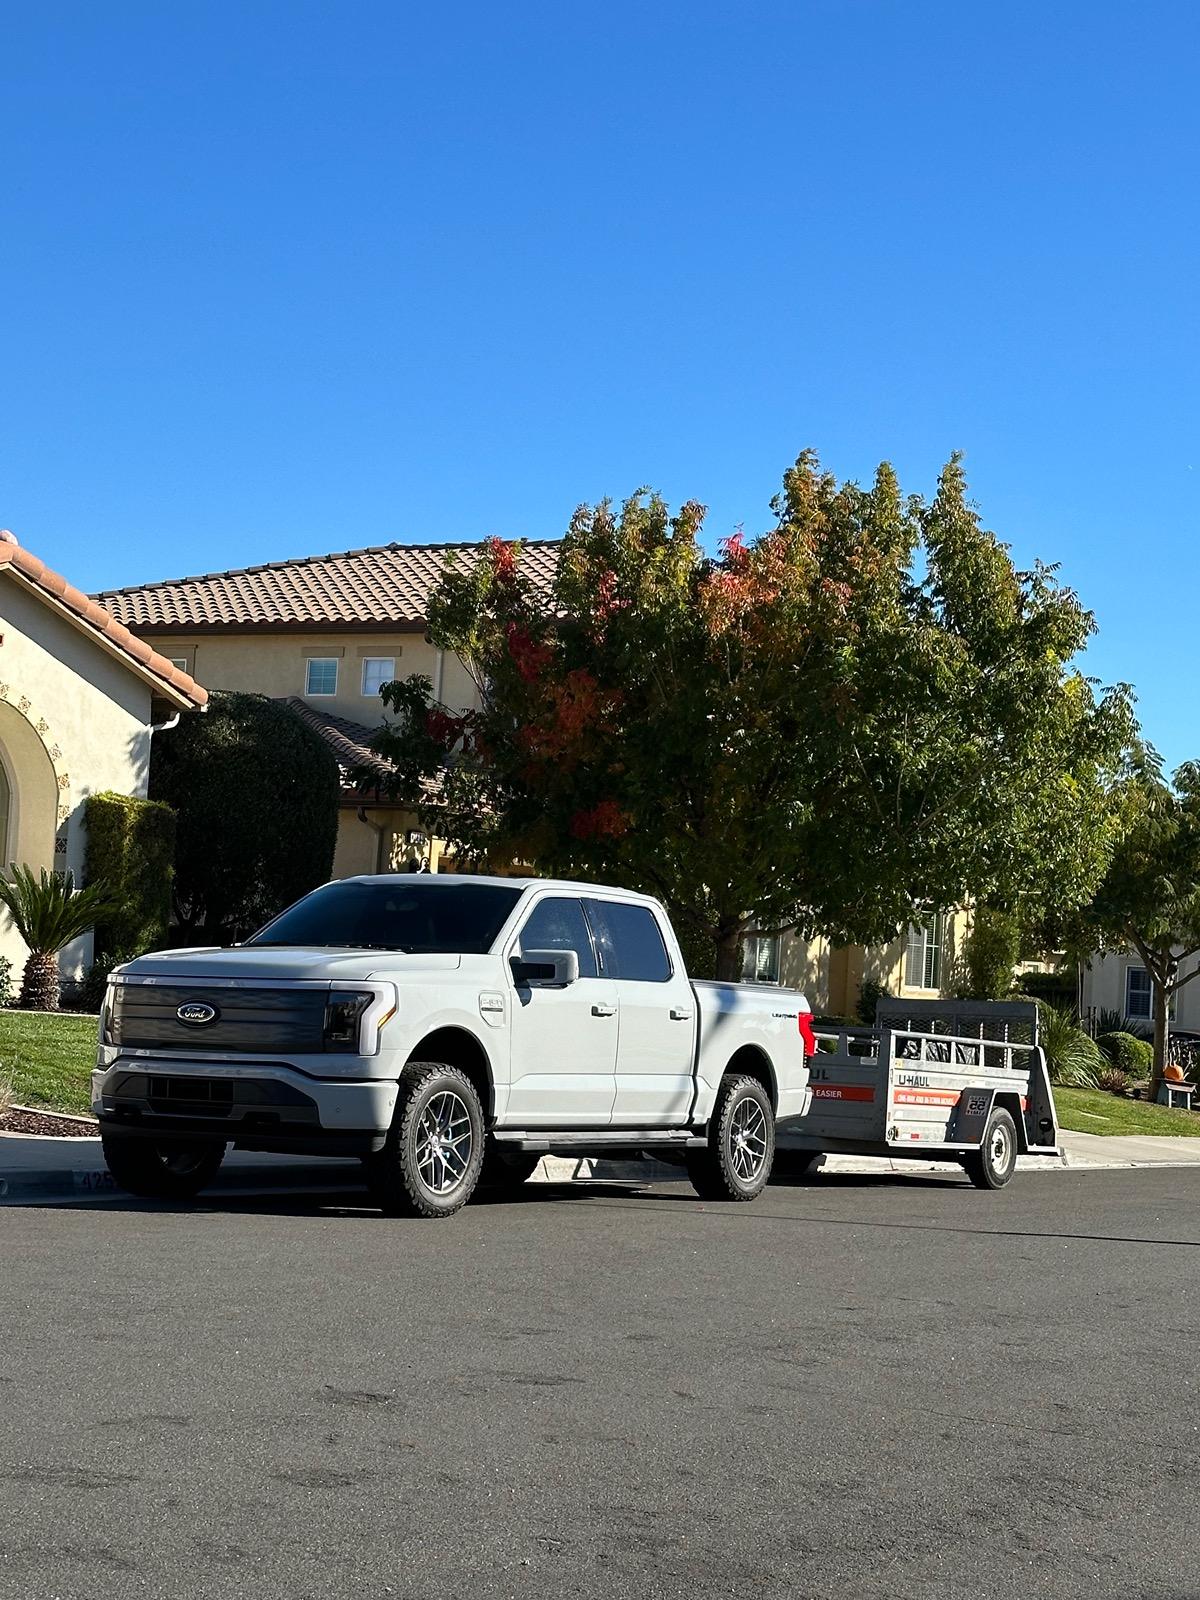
(852, 1388)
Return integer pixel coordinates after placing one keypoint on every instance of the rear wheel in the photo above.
(736, 1162)
(993, 1164)
(175, 1171)
(434, 1151)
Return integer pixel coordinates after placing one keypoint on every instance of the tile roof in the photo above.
(147, 662)
(384, 585)
(349, 741)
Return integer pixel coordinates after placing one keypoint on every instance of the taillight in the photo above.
(807, 1034)
(343, 1014)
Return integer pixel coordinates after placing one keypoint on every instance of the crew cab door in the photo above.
(656, 1044)
(564, 1038)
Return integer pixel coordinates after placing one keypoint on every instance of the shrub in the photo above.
(48, 914)
(6, 981)
(1112, 1079)
(990, 953)
(131, 847)
(1071, 1057)
(870, 994)
(1134, 1057)
(256, 794)
(1053, 988)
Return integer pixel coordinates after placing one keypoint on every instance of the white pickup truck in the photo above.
(446, 1029)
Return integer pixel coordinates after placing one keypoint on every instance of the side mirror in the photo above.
(545, 968)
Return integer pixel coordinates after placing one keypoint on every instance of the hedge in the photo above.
(1131, 1055)
(131, 848)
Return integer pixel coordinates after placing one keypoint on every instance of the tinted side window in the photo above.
(559, 925)
(631, 945)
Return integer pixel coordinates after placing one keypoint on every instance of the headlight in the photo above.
(343, 1016)
(106, 1010)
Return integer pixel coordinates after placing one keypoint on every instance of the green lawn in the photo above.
(1093, 1111)
(48, 1060)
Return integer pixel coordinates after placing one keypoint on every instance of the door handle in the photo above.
(680, 1014)
(604, 1011)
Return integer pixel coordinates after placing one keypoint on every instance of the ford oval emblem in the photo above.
(196, 1013)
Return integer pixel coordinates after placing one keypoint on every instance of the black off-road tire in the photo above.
(993, 1164)
(717, 1172)
(402, 1181)
(168, 1171)
(505, 1167)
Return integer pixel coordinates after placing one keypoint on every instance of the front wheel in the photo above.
(993, 1164)
(431, 1161)
(736, 1162)
(176, 1171)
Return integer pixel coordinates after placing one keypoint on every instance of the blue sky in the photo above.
(285, 278)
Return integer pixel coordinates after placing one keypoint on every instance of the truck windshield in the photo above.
(412, 914)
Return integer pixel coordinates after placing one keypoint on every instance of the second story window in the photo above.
(321, 677)
(923, 958)
(376, 671)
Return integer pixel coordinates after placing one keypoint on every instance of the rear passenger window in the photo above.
(630, 942)
(560, 925)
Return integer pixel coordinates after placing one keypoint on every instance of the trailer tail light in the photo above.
(807, 1034)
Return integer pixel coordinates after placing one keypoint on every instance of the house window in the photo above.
(760, 958)
(180, 662)
(923, 957)
(1138, 996)
(376, 671)
(321, 677)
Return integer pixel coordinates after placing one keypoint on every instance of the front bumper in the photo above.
(257, 1106)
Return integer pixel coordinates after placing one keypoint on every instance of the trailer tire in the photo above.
(168, 1171)
(426, 1168)
(993, 1164)
(736, 1162)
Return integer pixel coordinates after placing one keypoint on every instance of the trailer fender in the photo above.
(974, 1109)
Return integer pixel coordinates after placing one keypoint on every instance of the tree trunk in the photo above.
(39, 986)
(729, 953)
(1162, 1035)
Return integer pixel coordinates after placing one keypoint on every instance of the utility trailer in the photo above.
(933, 1080)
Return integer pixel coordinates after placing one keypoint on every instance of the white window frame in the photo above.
(387, 678)
(319, 661)
(924, 949)
(754, 946)
(1139, 1016)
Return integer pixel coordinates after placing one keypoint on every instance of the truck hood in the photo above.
(265, 962)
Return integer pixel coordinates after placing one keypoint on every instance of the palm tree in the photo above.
(48, 914)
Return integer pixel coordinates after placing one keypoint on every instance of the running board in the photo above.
(601, 1139)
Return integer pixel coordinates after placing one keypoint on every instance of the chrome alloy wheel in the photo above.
(747, 1140)
(444, 1143)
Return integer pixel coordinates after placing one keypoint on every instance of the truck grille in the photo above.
(258, 1021)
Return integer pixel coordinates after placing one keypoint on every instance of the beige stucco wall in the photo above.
(832, 976)
(73, 721)
(275, 664)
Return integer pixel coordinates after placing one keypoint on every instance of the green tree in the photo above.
(48, 913)
(864, 710)
(1149, 897)
(256, 796)
(990, 953)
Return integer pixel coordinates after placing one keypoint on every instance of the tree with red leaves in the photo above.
(864, 711)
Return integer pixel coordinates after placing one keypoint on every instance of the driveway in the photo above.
(853, 1388)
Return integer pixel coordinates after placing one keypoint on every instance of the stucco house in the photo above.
(321, 634)
(79, 698)
(1117, 981)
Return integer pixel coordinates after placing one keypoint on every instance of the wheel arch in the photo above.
(456, 1047)
(752, 1061)
(1009, 1100)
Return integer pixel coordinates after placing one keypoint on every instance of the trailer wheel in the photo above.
(993, 1164)
(736, 1162)
(430, 1164)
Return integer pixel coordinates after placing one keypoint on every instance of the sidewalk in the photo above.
(49, 1171)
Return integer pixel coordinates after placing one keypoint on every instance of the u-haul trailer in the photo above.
(944, 1080)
